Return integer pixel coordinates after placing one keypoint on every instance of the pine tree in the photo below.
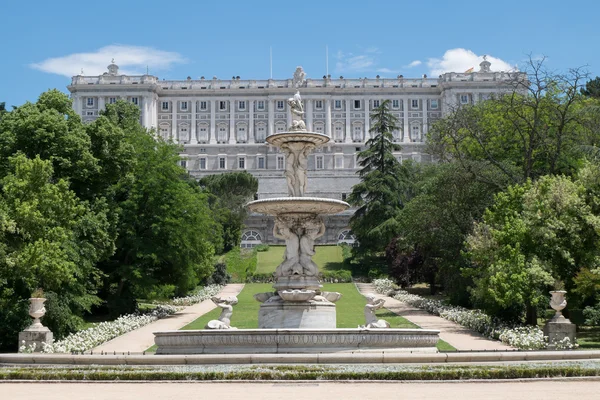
(384, 186)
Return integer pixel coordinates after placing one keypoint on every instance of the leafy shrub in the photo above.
(266, 277)
(592, 315)
(262, 247)
(220, 276)
(339, 276)
(240, 263)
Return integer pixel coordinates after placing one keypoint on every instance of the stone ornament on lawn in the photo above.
(558, 302)
(558, 329)
(374, 304)
(224, 321)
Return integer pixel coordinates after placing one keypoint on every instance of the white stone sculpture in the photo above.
(374, 304)
(283, 229)
(296, 154)
(36, 335)
(224, 321)
(299, 76)
(37, 311)
(312, 229)
(297, 110)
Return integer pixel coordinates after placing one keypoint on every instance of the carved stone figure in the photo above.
(373, 304)
(290, 266)
(296, 166)
(224, 321)
(299, 76)
(312, 229)
(297, 110)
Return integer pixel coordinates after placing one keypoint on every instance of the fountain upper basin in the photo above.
(316, 139)
(297, 205)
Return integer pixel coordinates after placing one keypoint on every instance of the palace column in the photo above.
(348, 124)
(405, 130)
(213, 118)
(309, 115)
(289, 117)
(328, 117)
(271, 126)
(101, 101)
(425, 127)
(174, 121)
(251, 121)
(232, 134)
(193, 138)
(367, 119)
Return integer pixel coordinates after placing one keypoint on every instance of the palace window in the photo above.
(280, 162)
(319, 128)
(339, 162)
(241, 162)
(164, 132)
(375, 103)
(464, 99)
(395, 103)
(184, 105)
(319, 162)
(202, 162)
(261, 134)
(260, 105)
(357, 104)
(319, 104)
(250, 239)
(90, 101)
(222, 105)
(414, 104)
(338, 133)
(112, 100)
(346, 236)
(165, 105)
(203, 105)
(134, 100)
(222, 163)
(261, 163)
(183, 163)
(434, 104)
(337, 104)
(242, 105)
(280, 104)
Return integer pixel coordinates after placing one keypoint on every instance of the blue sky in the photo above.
(45, 42)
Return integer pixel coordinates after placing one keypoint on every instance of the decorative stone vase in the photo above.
(558, 302)
(37, 311)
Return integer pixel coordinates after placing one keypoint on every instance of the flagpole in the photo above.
(271, 60)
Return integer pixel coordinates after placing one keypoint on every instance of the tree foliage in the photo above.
(229, 193)
(384, 187)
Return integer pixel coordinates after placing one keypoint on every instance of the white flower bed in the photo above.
(522, 337)
(89, 338)
(203, 294)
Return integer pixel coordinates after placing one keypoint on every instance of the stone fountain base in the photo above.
(305, 315)
(298, 341)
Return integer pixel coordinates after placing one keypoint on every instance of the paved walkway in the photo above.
(141, 339)
(458, 336)
(476, 390)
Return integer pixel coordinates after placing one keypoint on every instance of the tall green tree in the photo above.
(533, 130)
(165, 238)
(592, 88)
(229, 194)
(384, 185)
(49, 239)
(533, 235)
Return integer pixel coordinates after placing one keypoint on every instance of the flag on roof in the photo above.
(470, 70)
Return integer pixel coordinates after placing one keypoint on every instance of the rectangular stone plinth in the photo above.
(28, 338)
(558, 330)
(303, 341)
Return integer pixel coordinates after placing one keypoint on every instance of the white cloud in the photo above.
(413, 64)
(460, 60)
(132, 60)
(386, 71)
(349, 62)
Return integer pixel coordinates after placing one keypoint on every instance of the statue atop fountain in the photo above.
(299, 222)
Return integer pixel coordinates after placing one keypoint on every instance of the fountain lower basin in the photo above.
(277, 341)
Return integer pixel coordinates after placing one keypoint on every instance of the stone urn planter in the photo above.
(558, 327)
(37, 311)
(36, 335)
(558, 302)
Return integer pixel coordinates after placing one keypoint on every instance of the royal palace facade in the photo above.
(222, 124)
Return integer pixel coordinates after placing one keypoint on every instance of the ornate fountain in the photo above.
(297, 317)
(297, 301)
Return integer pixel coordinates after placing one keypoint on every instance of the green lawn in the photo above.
(588, 337)
(327, 258)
